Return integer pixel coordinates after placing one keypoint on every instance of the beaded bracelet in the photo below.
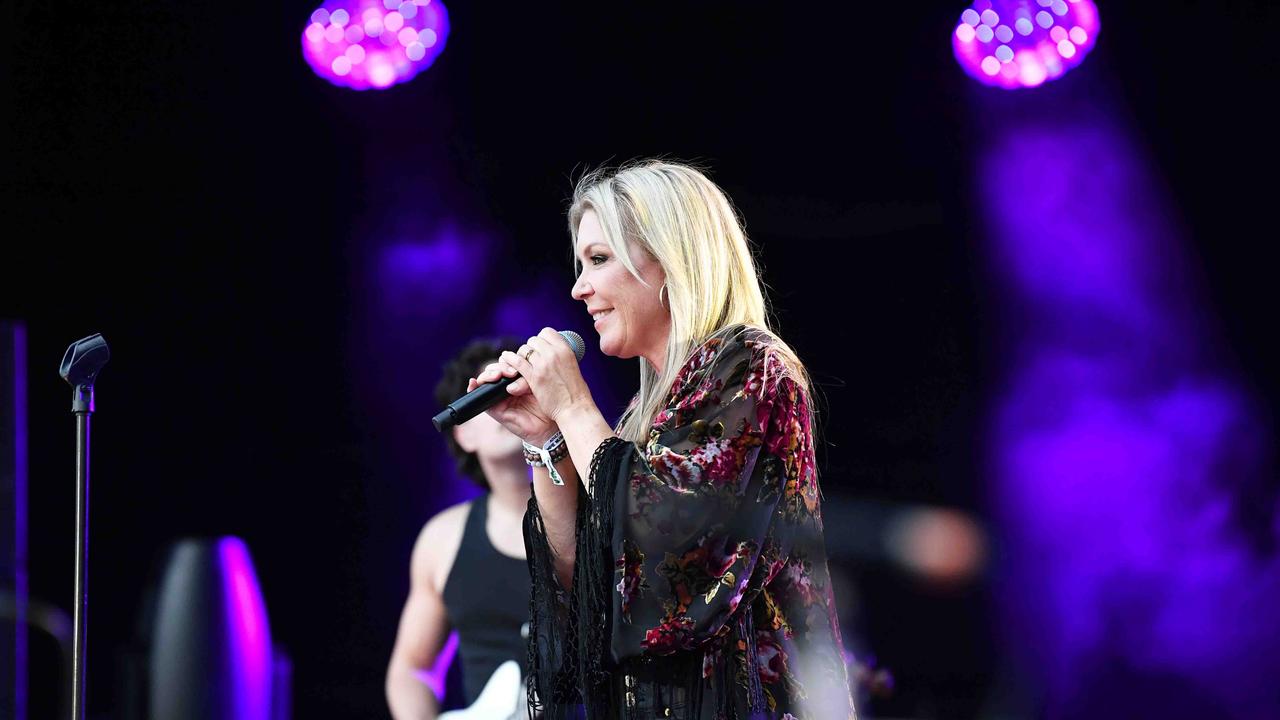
(555, 447)
(547, 456)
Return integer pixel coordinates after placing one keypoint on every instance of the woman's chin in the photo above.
(608, 347)
(614, 347)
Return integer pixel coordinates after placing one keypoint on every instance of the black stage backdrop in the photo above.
(178, 179)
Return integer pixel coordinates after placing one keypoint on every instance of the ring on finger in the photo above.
(526, 353)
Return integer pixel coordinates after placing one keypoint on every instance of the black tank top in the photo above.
(487, 599)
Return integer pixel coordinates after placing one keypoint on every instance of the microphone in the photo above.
(490, 394)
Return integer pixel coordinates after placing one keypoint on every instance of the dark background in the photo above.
(178, 179)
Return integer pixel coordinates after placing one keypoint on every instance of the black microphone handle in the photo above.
(490, 394)
(473, 403)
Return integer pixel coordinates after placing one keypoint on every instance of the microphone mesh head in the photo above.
(575, 342)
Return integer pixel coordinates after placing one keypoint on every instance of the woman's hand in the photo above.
(519, 413)
(549, 371)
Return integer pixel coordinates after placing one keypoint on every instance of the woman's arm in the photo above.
(558, 507)
(584, 428)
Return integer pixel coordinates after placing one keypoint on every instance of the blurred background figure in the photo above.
(469, 584)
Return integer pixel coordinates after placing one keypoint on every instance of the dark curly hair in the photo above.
(453, 383)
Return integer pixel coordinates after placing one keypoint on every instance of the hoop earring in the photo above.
(662, 290)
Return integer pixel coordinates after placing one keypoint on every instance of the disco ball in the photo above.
(1024, 43)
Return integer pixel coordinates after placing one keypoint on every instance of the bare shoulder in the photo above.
(437, 545)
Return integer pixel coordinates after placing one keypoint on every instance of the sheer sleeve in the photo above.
(697, 514)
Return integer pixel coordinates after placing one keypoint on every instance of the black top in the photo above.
(486, 597)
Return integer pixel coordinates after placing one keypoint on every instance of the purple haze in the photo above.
(433, 275)
(1122, 450)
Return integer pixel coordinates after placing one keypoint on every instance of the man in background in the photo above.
(467, 572)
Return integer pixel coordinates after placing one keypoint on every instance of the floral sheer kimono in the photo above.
(700, 586)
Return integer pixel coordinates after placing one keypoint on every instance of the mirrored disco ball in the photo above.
(1024, 43)
(363, 44)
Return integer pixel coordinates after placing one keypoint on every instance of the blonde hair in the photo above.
(685, 221)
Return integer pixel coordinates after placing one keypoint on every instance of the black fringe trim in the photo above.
(569, 633)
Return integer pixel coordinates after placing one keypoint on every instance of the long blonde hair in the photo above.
(685, 221)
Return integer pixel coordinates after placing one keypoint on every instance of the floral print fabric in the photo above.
(718, 539)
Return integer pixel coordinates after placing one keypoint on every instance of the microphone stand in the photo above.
(80, 367)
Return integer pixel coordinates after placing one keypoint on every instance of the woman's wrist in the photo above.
(541, 439)
(578, 414)
(547, 456)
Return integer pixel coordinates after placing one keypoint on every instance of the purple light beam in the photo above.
(1122, 449)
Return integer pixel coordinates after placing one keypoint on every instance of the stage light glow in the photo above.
(1035, 40)
(1122, 448)
(374, 44)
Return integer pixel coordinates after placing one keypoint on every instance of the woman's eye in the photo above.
(597, 259)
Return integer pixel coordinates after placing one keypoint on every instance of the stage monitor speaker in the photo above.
(211, 656)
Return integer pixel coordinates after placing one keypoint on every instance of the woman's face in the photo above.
(628, 316)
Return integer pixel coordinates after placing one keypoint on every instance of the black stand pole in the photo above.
(80, 367)
(82, 563)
